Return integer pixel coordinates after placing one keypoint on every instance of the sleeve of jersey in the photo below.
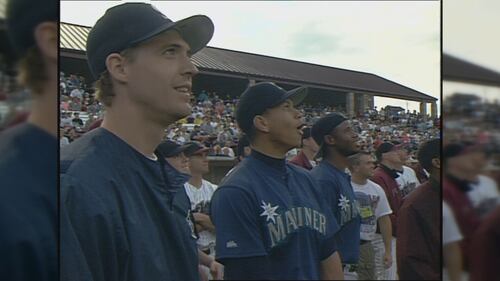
(88, 243)
(238, 233)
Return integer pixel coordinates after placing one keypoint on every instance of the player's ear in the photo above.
(46, 39)
(261, 124)
(436, 162)
(115, 63)
(329, 139)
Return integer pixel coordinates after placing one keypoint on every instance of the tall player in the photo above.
(119, 216)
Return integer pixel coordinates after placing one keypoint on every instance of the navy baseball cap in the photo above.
(170, 149)
(259, 97)
(23, 16)
(325, 126)
(130, 24)
(194, 148)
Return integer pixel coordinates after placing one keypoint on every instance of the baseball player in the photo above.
(28, 151)
(270, 219)
(337, 140)
(120, 217)
(178, 169)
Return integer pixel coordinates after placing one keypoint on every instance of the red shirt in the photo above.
(302, 161)
(468, 219)
(419, 235)
(485, 249)
(390, 186)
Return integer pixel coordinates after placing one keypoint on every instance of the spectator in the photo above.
(385, 175)
(374, 209)
(418, 243)
(77, 121)
(309, 149)
(200, 193)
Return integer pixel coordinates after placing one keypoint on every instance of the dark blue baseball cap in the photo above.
(130, 24)
(325, 126)
(23, 16)
(169, 148)
(259, 97)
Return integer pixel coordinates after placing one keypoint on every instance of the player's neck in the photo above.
(390, 165)
(44, 109)
(133, 128)
(336, 159)
(196, 181)
(358, 179)
(269, 148)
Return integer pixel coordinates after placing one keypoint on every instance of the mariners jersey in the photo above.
(123, 216)
(28, 211)
(262, 209)
(339, 194)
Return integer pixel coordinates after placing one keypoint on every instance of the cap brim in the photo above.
(195, 30)
(296, 95)
(177, 151)
(201, 150)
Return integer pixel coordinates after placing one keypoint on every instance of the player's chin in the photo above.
(183, 110)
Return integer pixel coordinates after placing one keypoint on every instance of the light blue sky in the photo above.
(471, 31)
(399, 41)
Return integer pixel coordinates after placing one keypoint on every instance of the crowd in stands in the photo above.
(212, 120)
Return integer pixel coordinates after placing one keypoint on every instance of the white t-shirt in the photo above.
(200, 202)
(451, 233)
(407, 181)
(373, 204)
(484, 195)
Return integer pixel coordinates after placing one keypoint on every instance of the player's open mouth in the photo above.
(183, 89)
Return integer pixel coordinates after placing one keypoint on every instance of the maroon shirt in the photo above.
(419, 235)
(485, 249)
(302, 161)
(468, 219)
(390, 186)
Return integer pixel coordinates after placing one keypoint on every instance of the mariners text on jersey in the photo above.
(292, 220)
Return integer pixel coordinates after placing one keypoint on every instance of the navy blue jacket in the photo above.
(121, 216)
(337, 189)
(28, 207)
(268, 208)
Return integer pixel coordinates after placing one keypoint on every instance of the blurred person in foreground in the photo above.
(28, 151)
(374, 210)
(452, 254)
(263, 211)
(418, 244)
(115, 188)
(485, 249)
(469, 200)
(309, 148)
